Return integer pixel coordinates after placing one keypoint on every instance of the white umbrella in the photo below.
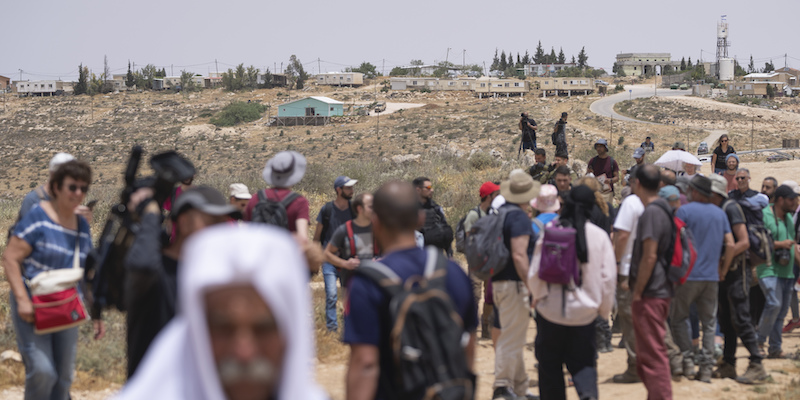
(675, 159)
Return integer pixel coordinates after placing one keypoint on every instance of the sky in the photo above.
(47, 39)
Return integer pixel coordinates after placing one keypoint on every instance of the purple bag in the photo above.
(559, 263)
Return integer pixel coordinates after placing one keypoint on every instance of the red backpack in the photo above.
(681, 253)
(351, 237)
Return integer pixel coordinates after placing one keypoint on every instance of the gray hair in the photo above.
(745, 170)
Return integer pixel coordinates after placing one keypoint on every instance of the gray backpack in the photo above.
(485, 249)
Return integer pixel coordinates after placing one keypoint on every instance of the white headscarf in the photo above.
(179, 363)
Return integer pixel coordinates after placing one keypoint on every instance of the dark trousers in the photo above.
(574, 346)
(734, 315)
(757, 302)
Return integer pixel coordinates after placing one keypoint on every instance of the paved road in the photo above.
(605, 106)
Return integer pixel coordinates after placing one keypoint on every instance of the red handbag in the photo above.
(58, 311)
(57, 305)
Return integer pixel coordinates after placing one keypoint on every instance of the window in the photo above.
(50, 86)
(348, 79)
(546, 82)
(634, 68)
(465, 83)
(331, 108)
(507, 85)
(483, 85)
(516, 84)
(451, 83)
(414, 83)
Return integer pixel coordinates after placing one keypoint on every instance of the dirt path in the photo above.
(744, 110)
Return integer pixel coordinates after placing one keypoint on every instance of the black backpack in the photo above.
(437, 231)
(427, 334)
(461, 234)
(268, 211)
(761, 243)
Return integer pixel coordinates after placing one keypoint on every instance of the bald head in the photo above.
(668, 178)
(396, 206)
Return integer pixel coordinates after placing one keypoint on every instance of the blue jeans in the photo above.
(330, 275)
(49, 359)
(778, 292)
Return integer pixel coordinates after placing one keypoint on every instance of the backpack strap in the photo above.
(672, 238)
(540, 225)
(351, 237)
(40, 193)
(381, 275)
(262, 195)
(436, 268)
(289, 199)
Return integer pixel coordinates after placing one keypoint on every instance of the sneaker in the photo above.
(755, 374)
(777, 355)
(676, 367)
(704, 375)
(605, 349)
(503, 393)
(688, 368)
(530, 396)
(626, 377)
(725, 371)
(792, 325)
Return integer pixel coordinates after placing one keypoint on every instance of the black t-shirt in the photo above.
(737, 195)
(720, 164)
(337, 217)
(516, 224)
(528, 134)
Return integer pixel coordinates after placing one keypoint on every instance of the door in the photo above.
(310, 112)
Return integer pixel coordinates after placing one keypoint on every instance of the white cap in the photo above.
(239, 191)
(58, 159)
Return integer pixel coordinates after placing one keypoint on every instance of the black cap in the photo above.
(785, 191)
(206, 199)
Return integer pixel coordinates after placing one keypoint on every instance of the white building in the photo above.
(41, 88)
(340, 79)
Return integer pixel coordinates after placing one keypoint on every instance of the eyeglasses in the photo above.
(741, 178)
(74, 188)
(723, 141)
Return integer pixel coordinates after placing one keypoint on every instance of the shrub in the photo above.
(238, 112)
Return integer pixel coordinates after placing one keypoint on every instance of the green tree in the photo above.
(582, 58)
(683, 63)
(251, 77)
(770, 91)
(538, 57)
(752, 66)
(519, 61)
(737, 69)
(769, 66)
(561, 58)
(144, 78)
(370, 71)
(416, 70)
(503, 63)
(689, 63)
(552, 58)
(573, 60)
(618, 70)
(267, 83)
(526, 59)
(495, 61)
(187, 82)
(699, 72)
(129, 79)
(296, 73)
(398, 71)
(81, 87)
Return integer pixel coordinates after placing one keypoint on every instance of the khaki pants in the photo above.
(511, 302)
(609, 197)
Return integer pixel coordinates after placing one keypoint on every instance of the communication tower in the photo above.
(722, 39)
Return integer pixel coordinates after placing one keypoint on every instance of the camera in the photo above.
(105, 269)
(783, 256)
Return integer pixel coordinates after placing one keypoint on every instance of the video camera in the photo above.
(105, 269)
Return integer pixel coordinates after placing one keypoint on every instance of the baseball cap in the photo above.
(785, 191)
(239, 191)
(206, 199)
(670, 193)
(719, 185)
(679, 145)
(488, 188)
(638, 153)
(342, 181)
(58, 159)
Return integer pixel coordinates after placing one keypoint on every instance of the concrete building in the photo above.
(638, 64)
(565, 86)
(755, 84)
(432, 84)
(5, 83)
(41, 88)
(312, 106)
(499, 86)
(545, 69)
(340, 79)
(173, 81)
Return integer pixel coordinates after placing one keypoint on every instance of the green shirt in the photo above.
(472, 217)
(779, 232)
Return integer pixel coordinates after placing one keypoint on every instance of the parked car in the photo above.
(702, 148)
(380, 107)
(777, 157)
(674, 86)
(600, 82)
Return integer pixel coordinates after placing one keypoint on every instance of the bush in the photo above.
(237, 112)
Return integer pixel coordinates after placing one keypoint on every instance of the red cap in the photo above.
(488, 188)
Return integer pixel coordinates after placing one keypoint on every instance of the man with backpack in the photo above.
(436, 230)
(387, 366)
(511, 299)
(712, 234)
(559, 136)
(742, 190)
(487, 192)
(333, 215)
(353, 241)
(605, 168)
(734, 306)
(271, 206)
(571, 288)
(777, 278)
(650, 285)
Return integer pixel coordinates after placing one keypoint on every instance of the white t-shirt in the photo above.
(498, 201)
(627, 220)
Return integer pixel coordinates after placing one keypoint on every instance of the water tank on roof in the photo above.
(722, 30)
(726, 69)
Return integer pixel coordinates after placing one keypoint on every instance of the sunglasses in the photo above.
(74, 188)
(723, 141)
(741, 178)
(429, 187)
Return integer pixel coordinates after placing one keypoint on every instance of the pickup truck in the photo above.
(380, 107)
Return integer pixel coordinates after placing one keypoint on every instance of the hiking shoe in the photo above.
(605, 349)
(755, 374)
(503, 393)
(530, 396)
(792, 325)
(725, 371)
(704, 375)
(676, 367)
(626, 377)
(777, 355)
(688, 368)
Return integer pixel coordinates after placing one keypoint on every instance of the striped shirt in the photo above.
(53, 245)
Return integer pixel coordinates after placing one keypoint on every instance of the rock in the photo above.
(402, 159)
(496, 153)
(10, 355)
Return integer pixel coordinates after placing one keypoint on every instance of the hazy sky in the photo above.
(48, 39)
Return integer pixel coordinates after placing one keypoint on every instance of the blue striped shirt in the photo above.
(53, 245)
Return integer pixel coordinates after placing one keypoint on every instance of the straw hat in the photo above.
(520, 188)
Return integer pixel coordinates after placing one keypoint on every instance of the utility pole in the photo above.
(216, 66)
(171, 70)
(447, 57)
(463, 60)
(319, 66)
(20, 75)
(383, 67)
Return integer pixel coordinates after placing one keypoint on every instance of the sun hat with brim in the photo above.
(679, 145)
(793, 185)
(285, 170)
(702, 185)
(719, 185)
(205, 199)
(520, 188)
(603, 142)
(547, 200)
(239, 191)
(342, 181)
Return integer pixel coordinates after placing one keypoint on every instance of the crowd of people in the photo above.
(218, 301)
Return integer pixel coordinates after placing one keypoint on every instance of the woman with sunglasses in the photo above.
(721, 153)
(46, 239)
